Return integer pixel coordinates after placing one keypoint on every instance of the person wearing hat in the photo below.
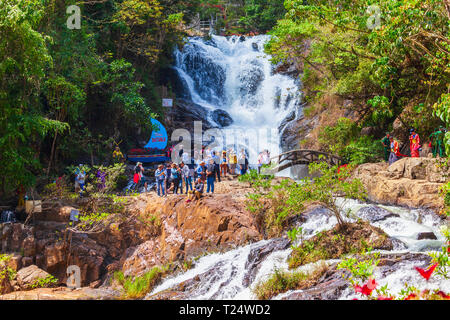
(414, 143)
(387, 146)
(201, 171)
(160, 175)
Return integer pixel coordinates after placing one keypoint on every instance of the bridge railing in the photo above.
(300, 156)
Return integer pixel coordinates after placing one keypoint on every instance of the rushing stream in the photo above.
(233, 274)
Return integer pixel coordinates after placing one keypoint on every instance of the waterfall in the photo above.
(234, 274)
(234, 74)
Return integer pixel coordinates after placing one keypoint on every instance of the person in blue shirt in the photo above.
(201, 171)
(175, 175)
(160, 176)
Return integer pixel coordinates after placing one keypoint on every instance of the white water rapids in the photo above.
(226, 271)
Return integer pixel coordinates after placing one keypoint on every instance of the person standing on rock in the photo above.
(210, 169)
(243, 164)
(395, 150)
(216, 166)
(387, 146)
(175, 175)
(233, 162)
(438, 142)
(201, 171)
(224, 164)
(160, 176)
(414, 143)
(186, 176)
(168, 180)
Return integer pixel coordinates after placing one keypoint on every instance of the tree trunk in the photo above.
(52, 152)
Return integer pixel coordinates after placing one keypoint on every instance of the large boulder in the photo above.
(221, 117)
(412, 182)
(28, 276)
(190, 229)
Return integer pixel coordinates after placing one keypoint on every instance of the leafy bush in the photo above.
(138, 287)
(281, 281)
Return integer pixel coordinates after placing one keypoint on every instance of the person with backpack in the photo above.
(210, 169)
(160, 175)
(216, 166)
(395, 150)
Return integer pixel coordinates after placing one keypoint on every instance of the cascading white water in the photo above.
(226, 271)
(235, 75)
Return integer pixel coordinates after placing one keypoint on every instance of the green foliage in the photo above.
(262, 15)
(281, 281)
(138, 287)
(49, 281)
(397, 69)
(442, 257)
(361, 268)
(275, 203)
(343, 139)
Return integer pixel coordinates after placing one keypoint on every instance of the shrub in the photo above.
(281, 281)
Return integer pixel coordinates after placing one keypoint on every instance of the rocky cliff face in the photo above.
(152, 231)
(412, 182)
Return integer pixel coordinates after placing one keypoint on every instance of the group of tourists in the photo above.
(192, 174)
(392, 147)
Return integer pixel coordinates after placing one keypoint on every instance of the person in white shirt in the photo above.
(186, 176)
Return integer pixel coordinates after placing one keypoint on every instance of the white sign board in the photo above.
(167, 102)
(74, 215)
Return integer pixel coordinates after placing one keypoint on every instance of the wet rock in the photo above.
(426, 235)
(242, 38)
(255, 46)
(221, 117)
(257, 256)
(183, 115)
(29, 275)
(250, 79)
(329, 287)
(375, 213)
(171, 77)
